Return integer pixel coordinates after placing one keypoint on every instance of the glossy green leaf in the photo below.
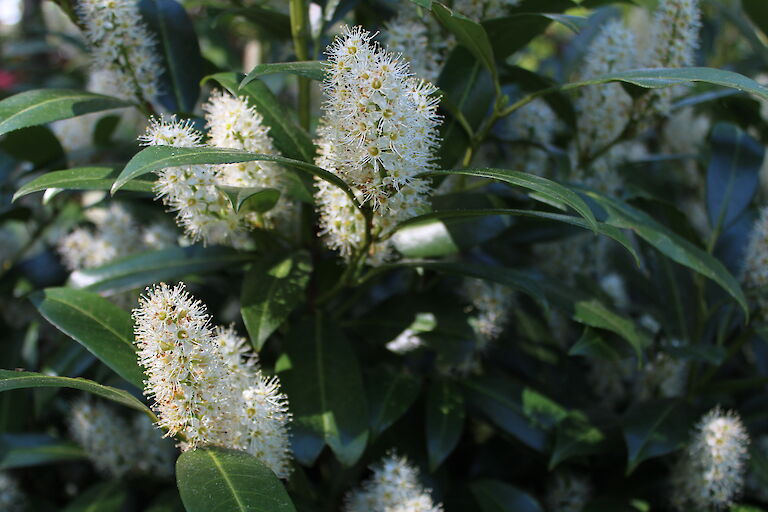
(102, 497)
(575, 436)
(35, 144)
(321, 374)
(271, 291)
(653, 429)
(145, 268)
(312, 69)
(273, 23)
(155, 158)
(547, 191)
(27, 450)
(251, 199)
(97, 324)
(179, 52)
(81, 178)
(10, 379)
(468, 33)
(445, 420)
(40, 106)
(497, 496)
(289, 138)
(595, 314)
(211, 479)
(390, 394)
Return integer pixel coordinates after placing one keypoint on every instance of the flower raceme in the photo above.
(206, 387)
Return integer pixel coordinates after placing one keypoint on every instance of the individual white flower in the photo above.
(483, 9)
(232, 123)
(393, 487)
(568, 492)
(604, 110)
(711, 473)
(202, 210)
(206, 388)
(534, 123)
(12, 499)
(121, 44)
(492, 303)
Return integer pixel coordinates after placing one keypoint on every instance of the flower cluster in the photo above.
(206, 387)
(11, 497)
(567, 492)
(534, 124)
(117, 447)
(479, 10)
(711, 474)
(114, 234)
(492, 303)
(419, 39)
(122, 45)
(378, 132)
(394, 487)
(755, 272)
(663, 376)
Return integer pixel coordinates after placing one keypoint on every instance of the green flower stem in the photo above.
(300, 33)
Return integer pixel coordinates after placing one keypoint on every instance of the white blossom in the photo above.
(492, 303)
(12, 499)
(663, 376)
(121, 44)
(755, 271)
(567, 492)
(711, 473)
(483, 9)
(534, 123)
(393, 487)
(205, 387)
(419, 39)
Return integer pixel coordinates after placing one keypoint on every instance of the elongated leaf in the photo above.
(271, 291)
(271, 22)
(733, 174)
(40, 106)
(575, 436)
(653, 429)
(321, 374)
(313, 69)
(497, 496)
(546, 190)
(595, 314)
(35, 144)
(469, 33)
(675, 247)
(27, 450)
(97, 324)
(155, 158)
(212, 479)
(103, 497)
(10, 379)
(251, 199)
(182, 62)
(391, 394)
(445, 420)
(145, 268)
(81, 178)
(290, 138)
(512, 33)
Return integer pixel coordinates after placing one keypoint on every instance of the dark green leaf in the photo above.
(179, 52)
(251, 199)
(390, 395)
(575, 436)
(10, 379)
(270, 292)
(313, 69)
(212, 479)
(321, 375)
(35, 144)
(469, 33)
(274, 23)
(497, 496)
(145, 268)
(595, 314)
(26, 450)
(103, 497)
(40, 106)
(653, 429)
(81, 178)
(757, 10)
(512, 33)
(445, 420)
(97, 324)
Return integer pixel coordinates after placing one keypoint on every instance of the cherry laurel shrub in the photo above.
(384, 255)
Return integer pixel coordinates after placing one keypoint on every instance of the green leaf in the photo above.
(512, 33)
(575, 436)
(321, 375)
(27, 450)
(390, 394)
(312, 69)
(468, 33)
(103, 497)
(497, 496)
(149, 267)
(35, 144)
(653, 429)
(547, 191)
(274, 23)
(427, 239)
(732, 175)
(216, 479)
(595, 314)
(81, 178)
(40, 106)
(10, 379)
(445, 420)
(757, 10)
(675, 247)
(251, 199)
(271, 291)
(155, 158)
(97, 324)
(179, 52)
(592, 344)
(289, 138)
